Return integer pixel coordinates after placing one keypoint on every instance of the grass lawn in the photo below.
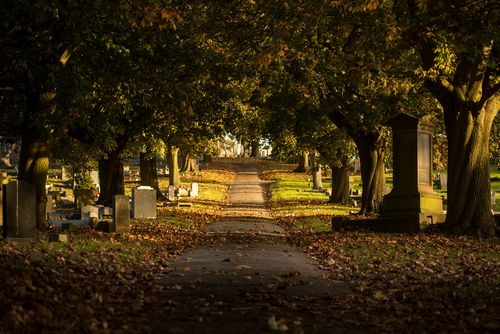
(293, 201)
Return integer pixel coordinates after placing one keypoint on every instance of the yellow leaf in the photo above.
(379, 295)
(243, 266)
(64, 57)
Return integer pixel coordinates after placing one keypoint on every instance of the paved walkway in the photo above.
(246, 274)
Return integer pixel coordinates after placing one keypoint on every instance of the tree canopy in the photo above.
(100, 78)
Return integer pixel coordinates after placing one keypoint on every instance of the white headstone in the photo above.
(194, 190)
(171, 193)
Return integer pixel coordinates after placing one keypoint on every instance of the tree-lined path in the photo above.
(247, 273)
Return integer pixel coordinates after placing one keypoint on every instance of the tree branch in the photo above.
(489, 92)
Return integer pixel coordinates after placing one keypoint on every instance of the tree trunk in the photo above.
(255, 149)
(111, 179)
(469, 188)
(173, 166)
(303, 161)
(371, 156)
(340, 185)
(316, 172)
(470, 101)
(33, 168)
(189, 164)
(149, 173)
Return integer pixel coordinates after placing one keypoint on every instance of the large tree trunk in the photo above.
(111, 179)
(316, 172)
(371, 156)
(33, 168)
(173, 166)
(340, 185)
(303, 161)
(149, 173)
(470, 101)
(469, 204)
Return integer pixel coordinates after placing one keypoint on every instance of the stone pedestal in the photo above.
(19, 211)
(412, 195)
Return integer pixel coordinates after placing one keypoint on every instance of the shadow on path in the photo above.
(247, 273)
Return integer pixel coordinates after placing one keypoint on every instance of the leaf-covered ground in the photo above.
(108, 283)
(92, 283)
(402, 283)
(413, 283)
(100, 282)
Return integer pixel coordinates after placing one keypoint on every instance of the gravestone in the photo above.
(443, 181)
(19, 210)
(84, 197)
(58, 237)
(171, 193)
(49, 206)
(121, 214)
(106, 211)
(100, 210)
(89, 211)
(181, 192)
(4, 179)
(412, 196)
(144, 202)
(194, 190)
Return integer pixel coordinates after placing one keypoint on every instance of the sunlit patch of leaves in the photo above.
(94, 282)
(425, 282)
